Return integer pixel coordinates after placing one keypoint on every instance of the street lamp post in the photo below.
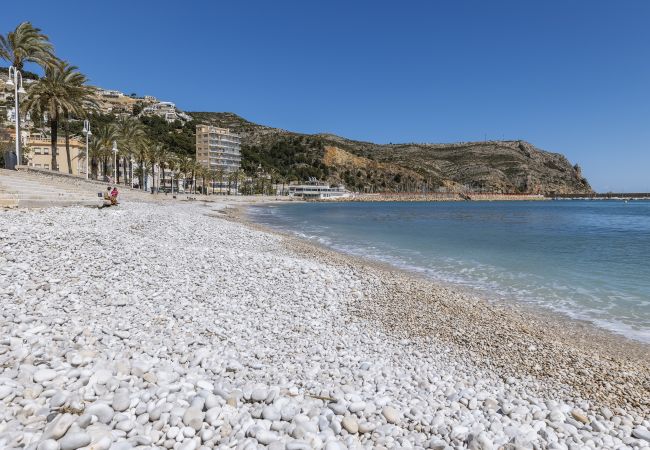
(16, 80)
(114, 162)
(88, 133)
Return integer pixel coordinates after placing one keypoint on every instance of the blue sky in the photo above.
(569, 76)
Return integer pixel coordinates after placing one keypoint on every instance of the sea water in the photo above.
(587, 259)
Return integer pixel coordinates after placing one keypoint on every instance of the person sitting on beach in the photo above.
(107, 198)
(114, 194)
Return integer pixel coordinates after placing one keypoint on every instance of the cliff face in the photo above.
(495, 166)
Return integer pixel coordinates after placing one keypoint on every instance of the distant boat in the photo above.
(314, 189)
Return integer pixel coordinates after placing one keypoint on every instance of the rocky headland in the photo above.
(512, 167)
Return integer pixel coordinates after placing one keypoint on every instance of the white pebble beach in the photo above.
(175, 326)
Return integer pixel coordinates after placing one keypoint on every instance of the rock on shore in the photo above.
(158, 326)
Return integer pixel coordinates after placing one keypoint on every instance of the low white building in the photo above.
(166, 110)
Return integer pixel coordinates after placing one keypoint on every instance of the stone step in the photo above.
(41, 203)
(49, 197)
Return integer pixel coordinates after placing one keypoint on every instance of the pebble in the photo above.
(48, 444)
(259, 395)
(121, 400)
(391, 414)
(265, 437)
(641, 433)
(271, 413)
(193, 417)
(580, 416)
(350, 424)
(5, 391)
(43, 375)
(58, 426)
(103, 412)
(72, 441)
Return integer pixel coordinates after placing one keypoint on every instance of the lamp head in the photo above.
(22, 90)
(10, 82)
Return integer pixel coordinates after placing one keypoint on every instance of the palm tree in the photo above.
(99, 148)
(26, 43)
(172, 165)
(61, 91)
(154, 155)
(196, 167)
(130, 134)
(142, 151)
(163, 156)
(185, 164)
(220, 175)
(240, 177)
(203, 172)
(213, 177)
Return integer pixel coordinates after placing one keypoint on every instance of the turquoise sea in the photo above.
(586, 259)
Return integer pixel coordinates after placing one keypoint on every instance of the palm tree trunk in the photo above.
(67, 143)
(162, 180)
(142, 175)
(54, 125)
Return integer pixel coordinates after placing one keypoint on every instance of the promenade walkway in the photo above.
(40, 189)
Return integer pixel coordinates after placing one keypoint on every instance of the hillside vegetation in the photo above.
(495, 166)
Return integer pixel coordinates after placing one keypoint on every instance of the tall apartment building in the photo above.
(217, 148)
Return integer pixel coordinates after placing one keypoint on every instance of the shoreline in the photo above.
(551, 347)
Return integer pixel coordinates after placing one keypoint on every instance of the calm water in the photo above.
(587, 259)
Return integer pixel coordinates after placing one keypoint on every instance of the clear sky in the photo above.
(569, 76)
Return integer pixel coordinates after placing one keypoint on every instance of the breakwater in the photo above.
(605, 196)
(436, 197)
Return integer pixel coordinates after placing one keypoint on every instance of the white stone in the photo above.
(193, 417)
(5, 391)
(121, 400)
(391, 414)
(103, 412)
(43, 375)
(58, 427)
(266, 437)
(350, 424)
(73, 441)
(48, 444)
(271, 413)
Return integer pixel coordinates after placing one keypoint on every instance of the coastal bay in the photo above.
(176, 325)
